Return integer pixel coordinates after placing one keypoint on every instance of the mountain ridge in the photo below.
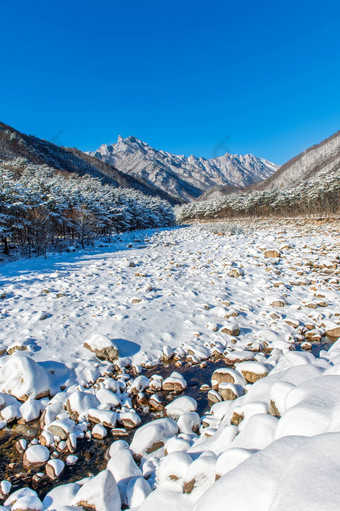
(14, 144)
(320, 157)
(184, 177)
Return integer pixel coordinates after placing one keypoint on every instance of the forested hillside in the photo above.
(40, 207)
(14, 144)
(317, 197)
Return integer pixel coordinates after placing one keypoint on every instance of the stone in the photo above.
(102, 346)
(174, 383)
(272, 253)
(54, 468)
(36, 456)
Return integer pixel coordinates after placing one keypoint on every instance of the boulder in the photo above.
(102, 346)
(100, 493)
(36, 456)
(22, 377)
(272, 253)
(174, 383)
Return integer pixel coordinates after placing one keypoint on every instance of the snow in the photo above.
(37, 454)
(153, 433)
(100, 492)
(274, 445)
(179, 175)
(180, 406)
(22, 377)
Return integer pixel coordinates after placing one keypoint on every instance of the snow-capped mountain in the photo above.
(183, 177)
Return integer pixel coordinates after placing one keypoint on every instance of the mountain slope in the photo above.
(320, 158)
(14, 144)
(184, 177)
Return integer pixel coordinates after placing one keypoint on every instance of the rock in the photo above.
(30, 410)
(21, 445)
(61, 497)
(107, 418)
(5, 488)
(175, 444)
(252, 371)
(229, 391)
(168, 352)
(156, 383)
(155, 403)
(102, 346)
(79, 403)
(22, 377)
(236, 272)
(99, 432)
(36, 456)
(189, 422)
(226, 374)
(10, 413)
(44, 315)
(272, 253)
(173, 469)
(71, 459)
(204, 387)
(174, 383)
(139, 384)
(278, 303)
(129, 419)
(214, 396)
(121, 463)
(180, 406)
(28, 503)
(24, 493)
(100, 493)
(333, 330)
(234, 357)
(136, 492)
(16, 347)
(108, 398)
(230, 329)
(200, 474)
(46, 438)
(153, 435)
(54, 468)
(72, 443)
(61, 428)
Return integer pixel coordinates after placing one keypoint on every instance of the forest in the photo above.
(41, 208)
(318, 197)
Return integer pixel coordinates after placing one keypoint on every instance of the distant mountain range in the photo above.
(131, 163)
(185, 178)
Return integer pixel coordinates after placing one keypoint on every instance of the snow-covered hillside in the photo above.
(183, 177)
(321, 158)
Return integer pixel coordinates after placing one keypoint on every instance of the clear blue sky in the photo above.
(201, 77)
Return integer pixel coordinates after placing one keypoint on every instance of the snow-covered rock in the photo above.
(99, 493)
(102, 346)
(22, 377)
(153, 435)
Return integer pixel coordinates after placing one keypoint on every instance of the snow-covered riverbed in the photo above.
(250, 296)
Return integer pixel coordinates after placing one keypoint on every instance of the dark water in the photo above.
(91, 453)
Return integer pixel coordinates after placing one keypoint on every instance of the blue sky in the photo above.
(190, 77)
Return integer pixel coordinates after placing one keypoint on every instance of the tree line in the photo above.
(40, 207)
(318, 197)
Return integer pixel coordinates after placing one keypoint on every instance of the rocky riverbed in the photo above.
(158, 370)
